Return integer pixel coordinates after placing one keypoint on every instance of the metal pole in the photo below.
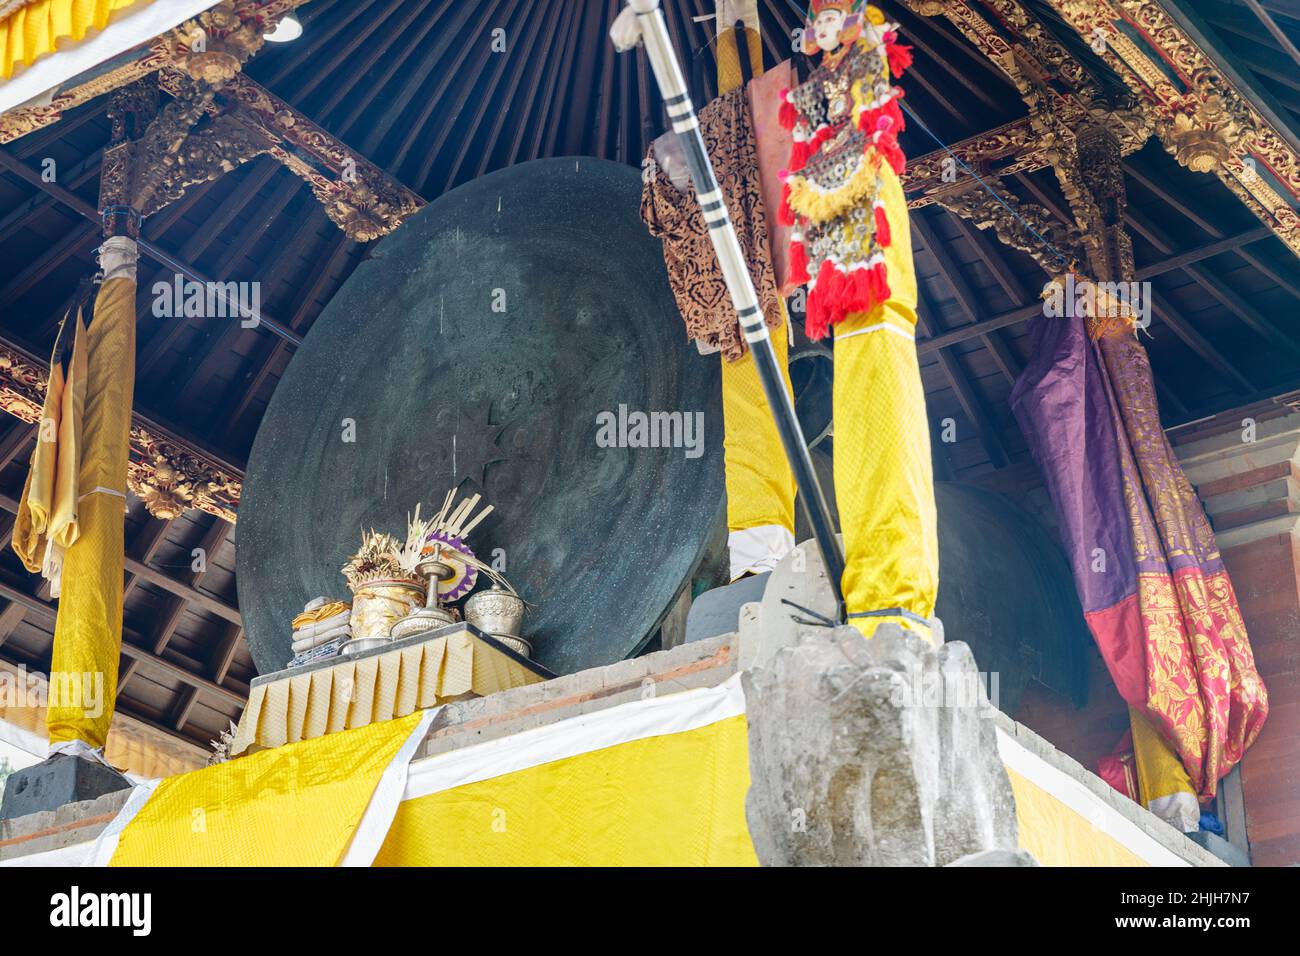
(681, 112)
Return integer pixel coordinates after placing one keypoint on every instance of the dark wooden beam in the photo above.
(315, 68)
(215, 347)
(1279, 34)
(1233, 301)
(212, 540)
(131, 649)
(15, 441)
(1192, 256)
(545, 125)
(224, 655)
(74, 242)
(465, 31)
(549, 50)
(969, 399)
(1023, 313)
(481, 45)
(164, 581)
(1184, 329)
(956, 282)
(184, 706)
(87, 211)
(10, 618)
(324, 271)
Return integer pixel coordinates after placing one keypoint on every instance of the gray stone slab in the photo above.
(56, 781)
(1220, 847)
(718, 611)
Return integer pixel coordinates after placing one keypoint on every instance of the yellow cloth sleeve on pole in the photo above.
(760, 485)
(88, 630)
(297, 805)
(884, 483)
(669, 800)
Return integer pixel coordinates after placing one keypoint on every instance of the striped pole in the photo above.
(681, 112)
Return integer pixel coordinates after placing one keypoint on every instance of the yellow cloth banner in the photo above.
(298, 805)
(356, 693)
(671, 800)
(654, 782)
(88, 630)
(47, 511)
(1058, 836)
(1160, 772)
(38, 27)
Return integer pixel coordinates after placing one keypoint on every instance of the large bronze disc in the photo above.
(476, 347)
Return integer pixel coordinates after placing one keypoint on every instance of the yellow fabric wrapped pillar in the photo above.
(884, 482)
(88, 631)
(760, 486)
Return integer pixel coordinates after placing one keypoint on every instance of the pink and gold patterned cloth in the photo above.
(1153, 586)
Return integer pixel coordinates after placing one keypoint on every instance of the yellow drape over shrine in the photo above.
(354, 693)
(304, 804)
(88, 631)
(660, 781)
(37, 27)
(674, 799)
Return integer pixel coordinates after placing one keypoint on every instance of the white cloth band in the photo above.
(758, 549)
(117, 258)
(876, 328)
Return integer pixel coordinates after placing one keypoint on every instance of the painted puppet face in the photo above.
(826, 29)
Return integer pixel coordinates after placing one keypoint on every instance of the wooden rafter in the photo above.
(1202, 100)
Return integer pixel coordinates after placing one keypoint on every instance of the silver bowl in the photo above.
(496, 611)
(421, 620)
(516, 644)
(360, 645)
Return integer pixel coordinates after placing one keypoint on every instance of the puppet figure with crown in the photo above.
(852, 246)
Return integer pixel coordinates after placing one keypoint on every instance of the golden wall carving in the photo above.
(165, 473)
(1208, 126)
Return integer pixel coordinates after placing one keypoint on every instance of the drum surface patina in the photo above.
(476, 347)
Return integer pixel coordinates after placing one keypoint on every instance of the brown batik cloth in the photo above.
(674, 216)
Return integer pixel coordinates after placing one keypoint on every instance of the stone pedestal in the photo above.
(51, 783)
(877, 752)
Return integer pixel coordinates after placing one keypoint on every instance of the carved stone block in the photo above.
(873, 752)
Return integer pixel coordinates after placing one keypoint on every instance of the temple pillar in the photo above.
(1246, 468)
